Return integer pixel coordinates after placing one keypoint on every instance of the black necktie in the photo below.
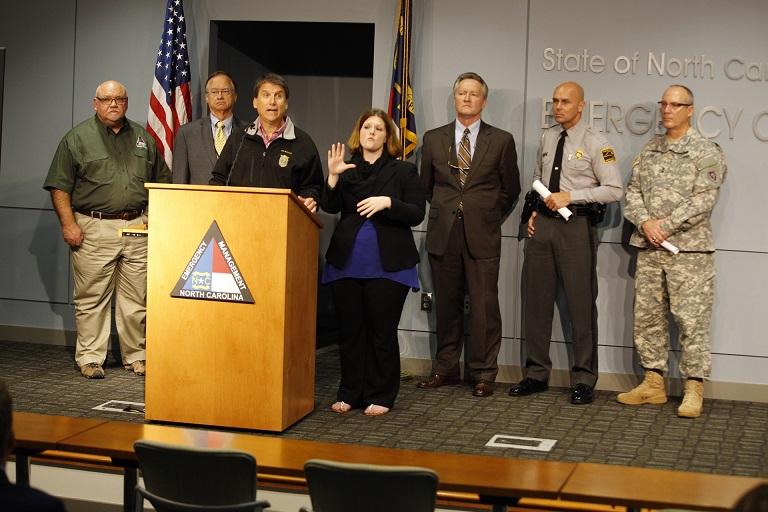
(554, 179)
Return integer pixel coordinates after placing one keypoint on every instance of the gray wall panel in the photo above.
(738, 325)
(734, 368)
(413, 318)
(38, 95)
(509, 287)
(38, 315)
(615, 296)
(124, 51)
(34, 260)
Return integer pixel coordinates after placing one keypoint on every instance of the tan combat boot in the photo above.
(693, 400)
(650, 391)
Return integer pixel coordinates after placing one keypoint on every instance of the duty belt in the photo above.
(124, 215)
(579, 210)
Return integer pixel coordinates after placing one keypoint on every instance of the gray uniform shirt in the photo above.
(589, 170)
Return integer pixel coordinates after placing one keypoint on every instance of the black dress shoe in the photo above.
(483, 389)
(582, 394)
(437, 380)
(528, 386)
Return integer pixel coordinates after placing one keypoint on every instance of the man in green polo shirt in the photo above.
(97, 182)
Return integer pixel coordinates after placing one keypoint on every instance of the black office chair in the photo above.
(180, 479)
(341, 487)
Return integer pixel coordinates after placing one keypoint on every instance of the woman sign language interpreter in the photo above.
(371, 260)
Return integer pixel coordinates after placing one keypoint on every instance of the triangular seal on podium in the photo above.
(212, 273)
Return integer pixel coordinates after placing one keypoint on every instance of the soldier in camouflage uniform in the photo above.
(673, 189)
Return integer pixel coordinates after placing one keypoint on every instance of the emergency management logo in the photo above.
(212, 273)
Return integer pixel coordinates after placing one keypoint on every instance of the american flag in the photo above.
(170, 104)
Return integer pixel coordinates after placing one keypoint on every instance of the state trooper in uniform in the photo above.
(578, 166)
(673, 189)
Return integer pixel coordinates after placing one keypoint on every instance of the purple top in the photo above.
(364, 262)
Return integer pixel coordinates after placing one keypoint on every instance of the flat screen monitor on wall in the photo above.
(306, 49)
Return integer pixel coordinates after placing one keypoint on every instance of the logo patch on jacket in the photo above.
(608, 155)
(141, 143)
(285, 157)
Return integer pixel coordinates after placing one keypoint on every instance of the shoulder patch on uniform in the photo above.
(608, 155)
(708, 161)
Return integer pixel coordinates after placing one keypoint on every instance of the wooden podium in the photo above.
(221, 362)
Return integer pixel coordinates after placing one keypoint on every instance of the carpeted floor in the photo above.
(729, 438)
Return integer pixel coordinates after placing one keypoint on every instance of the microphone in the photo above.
(250, 130)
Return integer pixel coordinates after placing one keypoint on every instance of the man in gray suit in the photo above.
(198, 144)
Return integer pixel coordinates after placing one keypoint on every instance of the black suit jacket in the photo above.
(194, 154)
(16, 498)
(398, 180)
(490, 192)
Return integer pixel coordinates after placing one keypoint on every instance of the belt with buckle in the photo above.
(578, 210)
(124, 215)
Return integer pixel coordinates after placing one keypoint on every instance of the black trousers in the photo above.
(565, 252)
(369, 312)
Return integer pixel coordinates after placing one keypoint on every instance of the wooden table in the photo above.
(638, 488)
(36, 433)
(498, 481)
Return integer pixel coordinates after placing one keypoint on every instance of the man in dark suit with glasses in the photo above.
(198, 144)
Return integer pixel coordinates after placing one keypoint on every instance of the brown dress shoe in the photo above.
(437, 380)
(483, 389)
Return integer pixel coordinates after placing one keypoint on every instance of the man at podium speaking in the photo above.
(271, 152)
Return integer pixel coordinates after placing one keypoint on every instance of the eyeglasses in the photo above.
(223, 92)
(122, 100)
(673, 105)
(453, 160)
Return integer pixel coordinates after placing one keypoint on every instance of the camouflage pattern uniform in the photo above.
(677, 181)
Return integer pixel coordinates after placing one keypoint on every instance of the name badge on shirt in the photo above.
(141, 143)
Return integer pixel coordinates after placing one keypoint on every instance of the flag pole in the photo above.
(406, 67)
